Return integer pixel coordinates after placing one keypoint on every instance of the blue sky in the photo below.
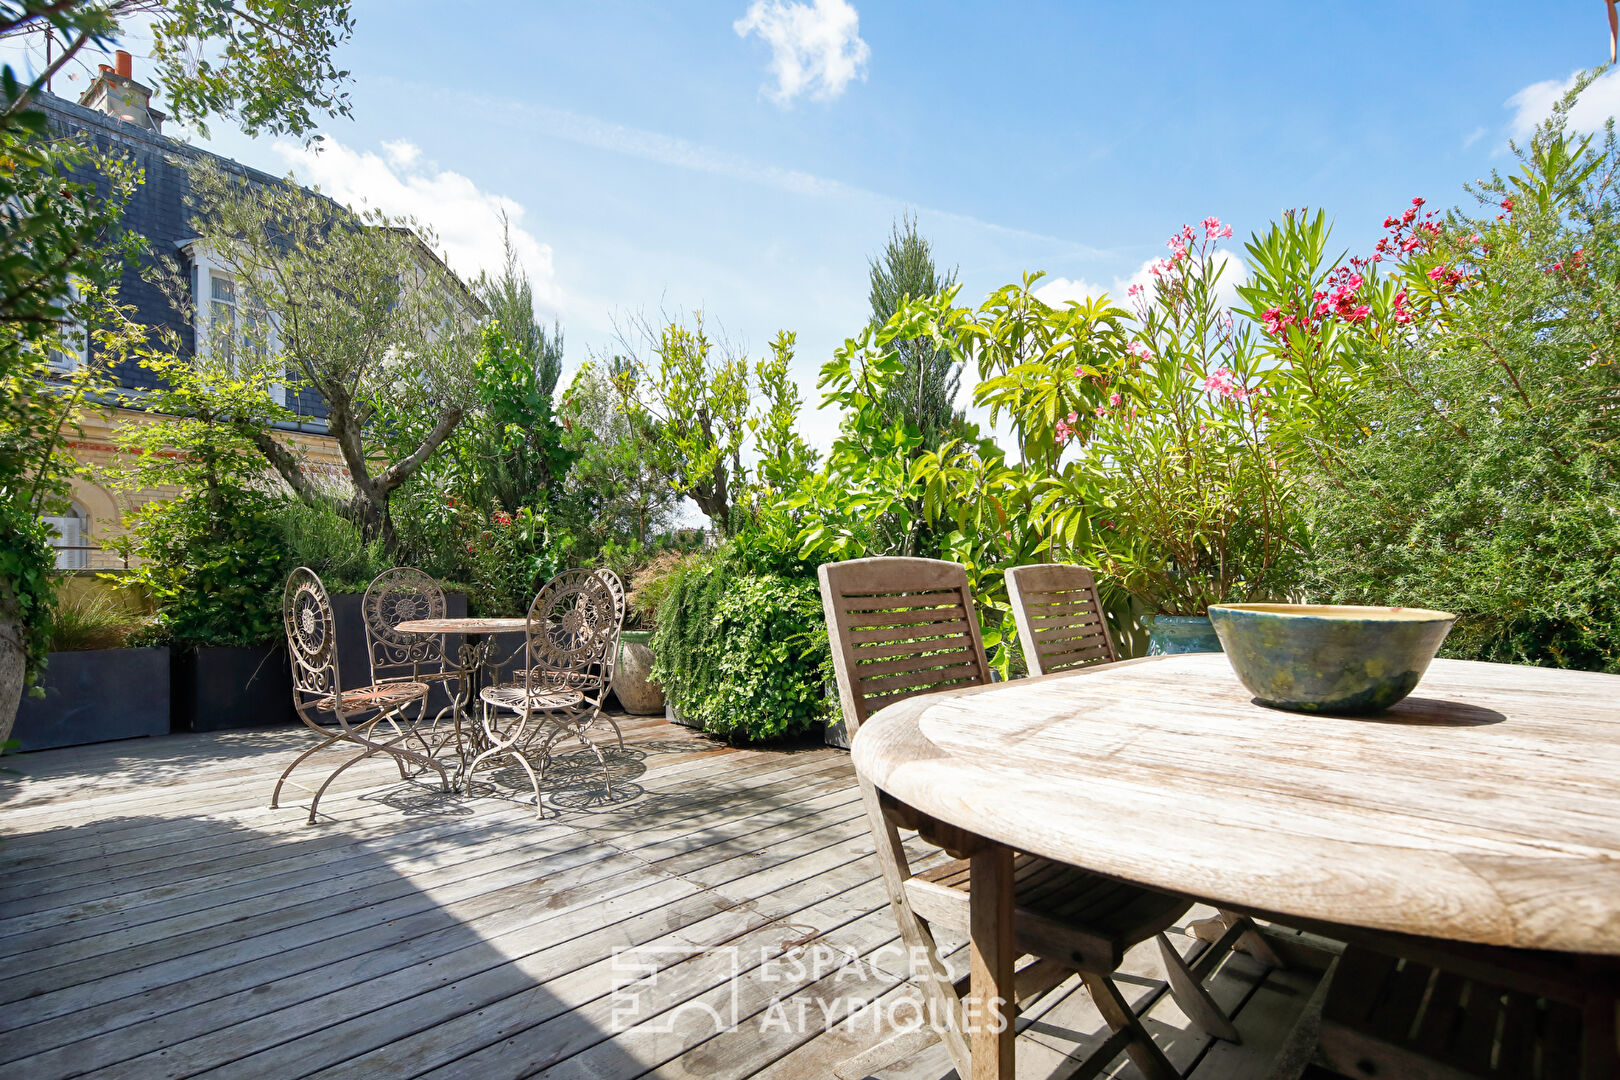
(652, 155)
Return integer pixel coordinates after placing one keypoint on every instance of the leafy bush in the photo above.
(1462, 429)
(211, 557)
(741, 653)
(330, 544)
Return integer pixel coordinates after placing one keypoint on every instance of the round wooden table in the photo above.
(1484, 809)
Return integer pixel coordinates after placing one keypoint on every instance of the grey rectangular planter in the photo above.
(96, 696)
(217, 687)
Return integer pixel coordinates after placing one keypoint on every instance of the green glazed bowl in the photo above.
(1323, 658)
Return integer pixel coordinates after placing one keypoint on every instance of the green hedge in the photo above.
(743, 654)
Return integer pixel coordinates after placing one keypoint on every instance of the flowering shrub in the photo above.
(1175, 493)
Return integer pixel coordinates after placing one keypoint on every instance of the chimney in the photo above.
(116, 93)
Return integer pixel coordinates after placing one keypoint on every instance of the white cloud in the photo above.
(1593, 108)
(1058, 291)
(815, 47)
(466, 218)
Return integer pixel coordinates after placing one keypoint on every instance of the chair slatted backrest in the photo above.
(1059, 616)
(899, 627)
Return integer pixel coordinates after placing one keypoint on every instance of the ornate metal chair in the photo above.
(570, 647)
(902, 627)
(306, 612)
(401, 595)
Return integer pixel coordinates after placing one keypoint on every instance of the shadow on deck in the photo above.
(718, 915)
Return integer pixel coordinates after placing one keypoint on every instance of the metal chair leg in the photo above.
(275, 796)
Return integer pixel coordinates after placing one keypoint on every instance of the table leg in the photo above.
(991, 1008)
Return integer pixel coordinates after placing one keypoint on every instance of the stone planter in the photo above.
(230, 686)
(632, 676)
(97, 696)
(1168, 634)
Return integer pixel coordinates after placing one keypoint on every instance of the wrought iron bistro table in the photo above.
(1481, 815)
(474, 657)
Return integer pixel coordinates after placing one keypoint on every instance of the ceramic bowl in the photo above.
(1324, 658)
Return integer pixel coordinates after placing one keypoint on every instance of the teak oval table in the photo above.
(1484, 809)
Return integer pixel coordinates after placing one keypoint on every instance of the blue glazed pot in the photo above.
(1329, 658)
(1169, 634)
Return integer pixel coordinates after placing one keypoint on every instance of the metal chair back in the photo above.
(395, 596)
(306, 614)
(573, 634)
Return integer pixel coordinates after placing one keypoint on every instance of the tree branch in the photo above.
(402, 470)
(285, 462)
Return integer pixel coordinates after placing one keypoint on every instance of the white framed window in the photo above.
(72, 537)
(230, 322)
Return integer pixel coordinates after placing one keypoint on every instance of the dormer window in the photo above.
(75, 342)
(222, 315)
(231, 323)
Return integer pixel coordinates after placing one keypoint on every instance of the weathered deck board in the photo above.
(157, 919)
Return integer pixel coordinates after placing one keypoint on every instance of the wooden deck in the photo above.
(157, 919)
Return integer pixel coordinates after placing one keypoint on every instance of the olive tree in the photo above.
(352, 304)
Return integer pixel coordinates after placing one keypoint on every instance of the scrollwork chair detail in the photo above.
(306, 613)
(569, 652)
(402, 595)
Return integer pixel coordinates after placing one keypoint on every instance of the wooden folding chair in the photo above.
(1061, 626)
(1492, 1015)
(901, 627)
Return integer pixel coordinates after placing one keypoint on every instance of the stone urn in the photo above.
(632, 676)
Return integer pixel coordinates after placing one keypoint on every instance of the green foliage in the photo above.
(742, 654)
(62, 248)
(1177, 495)
(691, 410)
(330, 544)
(1476, 468)
(614, 491)
(210, 557)
(91, 621)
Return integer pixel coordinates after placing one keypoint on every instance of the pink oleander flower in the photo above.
(1507, 204)
(1403, 314)
(1139, 350)
(1101, 412)
(1417, 202)
(1437, 273)
(1114, 400)
(1271, 320)
(501, 517)
(1134, 290)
